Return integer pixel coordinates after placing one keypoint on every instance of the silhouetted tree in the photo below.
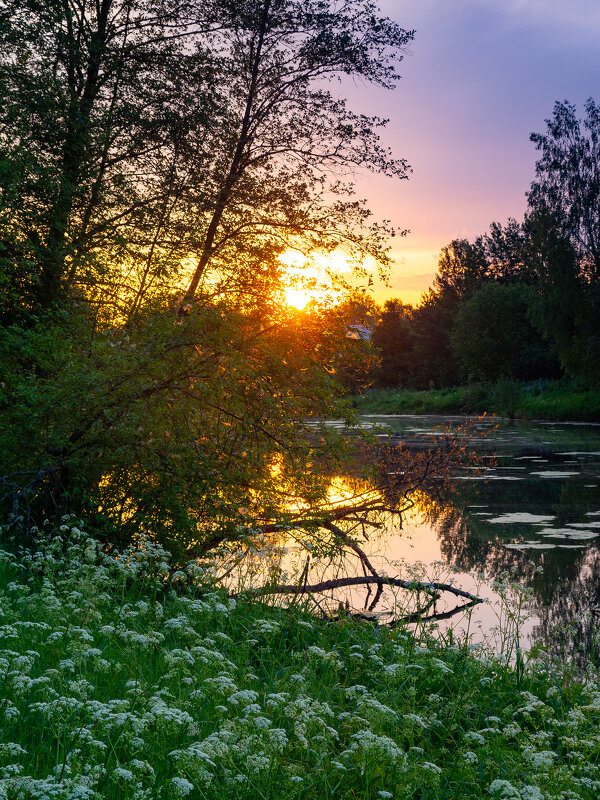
(568, 304)
(567, 185)
(394, 338)
(462, 267)
(493, 336)
(288, 146)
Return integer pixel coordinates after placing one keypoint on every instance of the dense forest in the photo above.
(522, 300)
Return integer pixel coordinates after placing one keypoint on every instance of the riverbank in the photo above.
(124, 679)
(551, 400)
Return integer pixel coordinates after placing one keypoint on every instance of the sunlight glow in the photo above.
(297, 298)
(313, 278)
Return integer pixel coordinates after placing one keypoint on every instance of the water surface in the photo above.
(532, 512)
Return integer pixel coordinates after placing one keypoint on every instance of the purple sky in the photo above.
(481, 75)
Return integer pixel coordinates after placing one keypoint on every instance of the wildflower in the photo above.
(243, 697)
(542, 760)
(371, 748)
(505, 790)
(122, 774)
(442, 666)
(180, 787)
(393, 670)
(474, 738)
(531, 793)
(266, 626)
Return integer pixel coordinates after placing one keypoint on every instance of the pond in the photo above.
(532, 513)
(527, 519)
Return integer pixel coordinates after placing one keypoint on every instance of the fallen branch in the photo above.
(435, 617)
(416, 616)
(433, 587)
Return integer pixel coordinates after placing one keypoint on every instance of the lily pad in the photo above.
(554, 474)
(583, 524)
(530, 546)
(567, 533)
(521, 516)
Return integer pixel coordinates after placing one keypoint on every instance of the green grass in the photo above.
(556, 400)
(120, 679)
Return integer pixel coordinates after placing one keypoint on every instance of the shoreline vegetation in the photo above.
(550, 400)
(145, 681)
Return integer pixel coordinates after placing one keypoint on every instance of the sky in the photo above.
(479, 77)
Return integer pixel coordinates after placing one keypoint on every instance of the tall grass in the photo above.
(123, 679)
(557, 400)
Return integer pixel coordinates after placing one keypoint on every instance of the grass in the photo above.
(555, 400)
(123, 679)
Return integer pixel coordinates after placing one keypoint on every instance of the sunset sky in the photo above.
(480, 76)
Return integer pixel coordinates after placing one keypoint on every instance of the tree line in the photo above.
(521, 301)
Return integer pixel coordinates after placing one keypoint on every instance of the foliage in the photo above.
(394, 337)
(518, 297)
(567, 185)
(124, 679)
(462, 267)
(567, 308)
(432, 322)
(492, 336)
(564, 400)
(172, 425)
(155, 162)
(144, 149)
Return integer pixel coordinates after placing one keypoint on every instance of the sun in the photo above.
(297, 298)
(311, 278)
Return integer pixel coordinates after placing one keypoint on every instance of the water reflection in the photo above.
(528, 514)
(538, 505)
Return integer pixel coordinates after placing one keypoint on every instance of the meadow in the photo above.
(123, 677)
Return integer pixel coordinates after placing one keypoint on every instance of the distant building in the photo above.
(359, 332)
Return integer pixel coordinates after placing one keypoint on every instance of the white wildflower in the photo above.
(540, 760)
(504, 790)
(474, 738)
(243, 697)
(180, 787)
(531, 793)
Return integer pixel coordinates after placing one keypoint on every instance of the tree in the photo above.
(492, 335)
(155, 144)
(564, 220)
(568, 303)
(394, 338)
(140, 145)
(287, 143)
(567, 185)
(508, 252)
(102, 104)
(462, 267)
